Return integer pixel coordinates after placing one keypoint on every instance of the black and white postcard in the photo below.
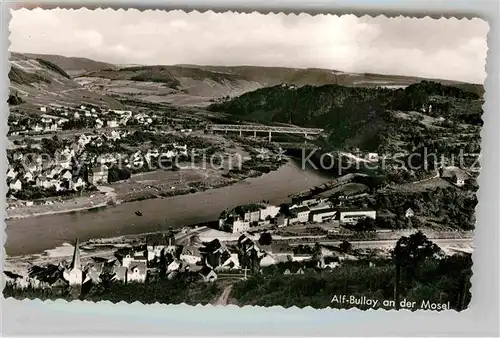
(243, 158)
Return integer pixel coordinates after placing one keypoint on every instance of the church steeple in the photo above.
(76, 263)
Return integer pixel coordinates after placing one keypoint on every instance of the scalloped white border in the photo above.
(481, 237)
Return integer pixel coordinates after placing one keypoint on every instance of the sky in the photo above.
(446, 48)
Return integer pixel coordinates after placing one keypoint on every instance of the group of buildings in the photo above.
(315, 210)
(56, 117)
(33, 166)
(163, 257)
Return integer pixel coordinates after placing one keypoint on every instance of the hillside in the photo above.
(74, 66)
(200, 85)
(358, 117)
(40, 82)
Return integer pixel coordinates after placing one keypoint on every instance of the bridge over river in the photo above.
(255, 128)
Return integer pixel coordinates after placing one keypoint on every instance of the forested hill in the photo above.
(351, 115)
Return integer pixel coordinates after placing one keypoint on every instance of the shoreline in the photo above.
(114, 200)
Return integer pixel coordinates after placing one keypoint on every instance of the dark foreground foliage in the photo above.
(174, 291)
(437, 281)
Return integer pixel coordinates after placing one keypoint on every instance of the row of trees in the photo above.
(417, 271)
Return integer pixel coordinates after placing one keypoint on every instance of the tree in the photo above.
(163, 265)
(265, 239)
(14, 99)
(316, 252)
(409, 253)
(345, 246)
(285, 210)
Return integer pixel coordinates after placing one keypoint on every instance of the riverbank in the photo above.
(35, 234)
(151, 185)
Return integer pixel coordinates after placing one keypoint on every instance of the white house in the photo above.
(42, 182)
(99, 175)
(37, 128)
(28, 176)
(372, 157)
(208, 275)
(302, 214)
(268, 260)
(240, 225)
(16, 185)
(76, 183)
(232, 263)
(252, 216)
(322, 215)
(137, 272)
(112, 123)
(409, 213)
(11, 173)
(352, 216)
(174, 266)
(43, 109)
(269, 211)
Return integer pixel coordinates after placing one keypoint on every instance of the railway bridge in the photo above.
(264, 129)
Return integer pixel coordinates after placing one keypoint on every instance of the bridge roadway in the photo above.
(262, 128)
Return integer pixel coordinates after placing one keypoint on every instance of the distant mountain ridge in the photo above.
(74, 66)
(41, 82)
(199, 85)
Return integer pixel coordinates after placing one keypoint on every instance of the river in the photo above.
(36, 234)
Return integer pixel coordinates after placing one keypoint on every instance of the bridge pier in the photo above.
(254, 133)
(269, 136)
(240, 133)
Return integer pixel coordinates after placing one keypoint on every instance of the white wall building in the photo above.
(302, 214)
(252, 216)
(270, 210)
(353, 216)
(320, 216)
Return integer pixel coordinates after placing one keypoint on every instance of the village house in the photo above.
(409, 213)
(156, 243)
(76, 183)
(458, 179)
(354, 215)
(42, 182)
(190, 254)
(137, 272)
(11, 173)
(269, 211)
(251, 216)
(302, 214)
(37, 128)
(322, 215)
(281, 221)
(373, 157)
(16, 185)
(135, 268)
(28, 176)
(99, 175)
(232, 263)
(112, 123)
(208, 275)
(234, 224)
(455, 175)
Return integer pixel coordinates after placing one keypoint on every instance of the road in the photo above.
(445, 242)
(222, 300)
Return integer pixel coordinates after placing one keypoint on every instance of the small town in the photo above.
(139, 175)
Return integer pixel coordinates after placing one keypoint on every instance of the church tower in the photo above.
(74, 275)
(76, 262)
